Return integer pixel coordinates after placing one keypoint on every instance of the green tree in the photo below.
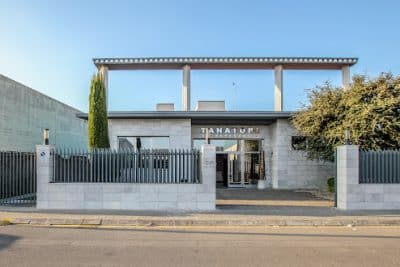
(97, 118)
(370, 110)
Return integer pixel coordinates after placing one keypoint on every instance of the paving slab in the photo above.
(64, 221)
(48, 219)
(91, 222)
(21, 221)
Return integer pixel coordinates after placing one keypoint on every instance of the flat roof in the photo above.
(203, 117)
(171, 63)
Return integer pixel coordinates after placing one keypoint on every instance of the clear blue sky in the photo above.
(49, 45)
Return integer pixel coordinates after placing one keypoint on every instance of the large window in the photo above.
(143, 142)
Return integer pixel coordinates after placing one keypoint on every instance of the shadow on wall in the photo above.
(7, 240)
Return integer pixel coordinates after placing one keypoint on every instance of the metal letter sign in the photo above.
(230, 131)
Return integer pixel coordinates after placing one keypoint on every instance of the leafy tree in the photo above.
(97, 118)
(370, 110)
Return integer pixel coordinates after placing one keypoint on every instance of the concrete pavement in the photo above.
(200, 246)
(129, 219)
(240, 207)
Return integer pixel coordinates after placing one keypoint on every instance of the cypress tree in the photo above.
(97, 118)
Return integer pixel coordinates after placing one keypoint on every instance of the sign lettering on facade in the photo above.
(229, 131)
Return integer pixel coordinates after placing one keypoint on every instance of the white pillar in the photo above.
(346, 77)
(44, 174)
(208, 178)
(104, 72)
(278, 88)
(186, 88)
(347, 175)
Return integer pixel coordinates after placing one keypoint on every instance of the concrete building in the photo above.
(251, 147)
(25, 113)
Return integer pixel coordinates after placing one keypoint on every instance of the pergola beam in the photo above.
(278, 64)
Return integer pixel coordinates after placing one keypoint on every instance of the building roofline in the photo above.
(252, 115)
(159, 63)
(26, 87)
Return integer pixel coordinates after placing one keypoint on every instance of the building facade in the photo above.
(25, 113)
(251, 147)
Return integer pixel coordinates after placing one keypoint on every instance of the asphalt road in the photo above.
(233, 246)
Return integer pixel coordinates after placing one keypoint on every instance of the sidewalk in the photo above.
(219, 218)
(249, 207)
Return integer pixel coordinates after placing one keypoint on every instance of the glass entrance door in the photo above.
(239, 161)
(235, 178)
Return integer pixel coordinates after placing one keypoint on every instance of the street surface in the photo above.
(205, 246)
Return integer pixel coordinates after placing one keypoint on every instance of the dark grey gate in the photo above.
(17, 178)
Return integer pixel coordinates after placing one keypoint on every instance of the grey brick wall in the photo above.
(24, 113)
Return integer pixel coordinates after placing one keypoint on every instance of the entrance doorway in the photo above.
(228, 170)
(239, 163)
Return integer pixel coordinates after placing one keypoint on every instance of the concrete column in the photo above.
(346, 77)
(186, 88)
(208, 177)
(347, 174)
(104, 72)
(44, 174)
(278, 88)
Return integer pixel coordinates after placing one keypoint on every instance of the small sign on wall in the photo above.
(43, 154)
(209, 156)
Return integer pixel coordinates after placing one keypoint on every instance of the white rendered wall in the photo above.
(25, 113)
(178, 130)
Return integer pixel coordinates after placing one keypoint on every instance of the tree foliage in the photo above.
(97, 118)
(370, 110)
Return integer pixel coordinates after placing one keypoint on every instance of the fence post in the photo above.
(44, 172)
(208, 176)
(347, 169)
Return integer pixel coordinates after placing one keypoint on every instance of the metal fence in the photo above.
(379, 167)
(17, 177)
(126, 166)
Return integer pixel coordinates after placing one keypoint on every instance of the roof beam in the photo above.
(209, 63)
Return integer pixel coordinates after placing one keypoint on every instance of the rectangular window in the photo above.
(143, 142)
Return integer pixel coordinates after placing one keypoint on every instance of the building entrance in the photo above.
(239, 162)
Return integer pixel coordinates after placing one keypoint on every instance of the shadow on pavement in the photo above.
(7, 240)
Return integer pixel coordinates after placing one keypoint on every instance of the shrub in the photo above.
(331, 184)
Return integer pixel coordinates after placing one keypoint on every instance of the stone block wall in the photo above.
(290, 168)
(126, 196)
(178, 130)
(351, 195)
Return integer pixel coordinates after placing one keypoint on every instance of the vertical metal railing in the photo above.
(17, 177)
(379, 167)
(126, 166)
